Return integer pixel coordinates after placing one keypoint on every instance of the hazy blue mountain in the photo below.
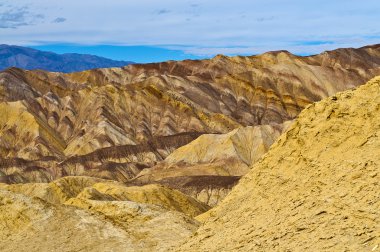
(27, 58)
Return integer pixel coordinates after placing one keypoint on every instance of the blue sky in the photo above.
(150, 30)
(140, 54)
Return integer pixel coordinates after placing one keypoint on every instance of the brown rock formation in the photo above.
(317, 189)
(113, 123)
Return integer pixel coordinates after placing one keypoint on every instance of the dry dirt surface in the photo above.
(317, 189)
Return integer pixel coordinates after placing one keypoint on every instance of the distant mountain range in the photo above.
(31, 59)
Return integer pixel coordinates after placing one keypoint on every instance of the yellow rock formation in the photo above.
(82, 213)
(317, 189)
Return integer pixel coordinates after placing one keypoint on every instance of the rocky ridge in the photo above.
(58, 124)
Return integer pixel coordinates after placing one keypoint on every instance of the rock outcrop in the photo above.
(317, 189)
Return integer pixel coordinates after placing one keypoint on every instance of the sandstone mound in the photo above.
(81, 213)
(247, 144)
(72, 190)
(56, 192)
(28, 224)
(317, 189)
(150, 194)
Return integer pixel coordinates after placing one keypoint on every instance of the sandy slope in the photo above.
(317, 189)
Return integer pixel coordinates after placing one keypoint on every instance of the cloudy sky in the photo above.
(151, 30)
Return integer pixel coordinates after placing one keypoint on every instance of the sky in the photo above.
(151, 30)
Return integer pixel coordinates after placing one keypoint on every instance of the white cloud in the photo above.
(13, 17)
(204, 27)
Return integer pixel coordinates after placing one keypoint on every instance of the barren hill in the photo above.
(317, 189)
(113, 123)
